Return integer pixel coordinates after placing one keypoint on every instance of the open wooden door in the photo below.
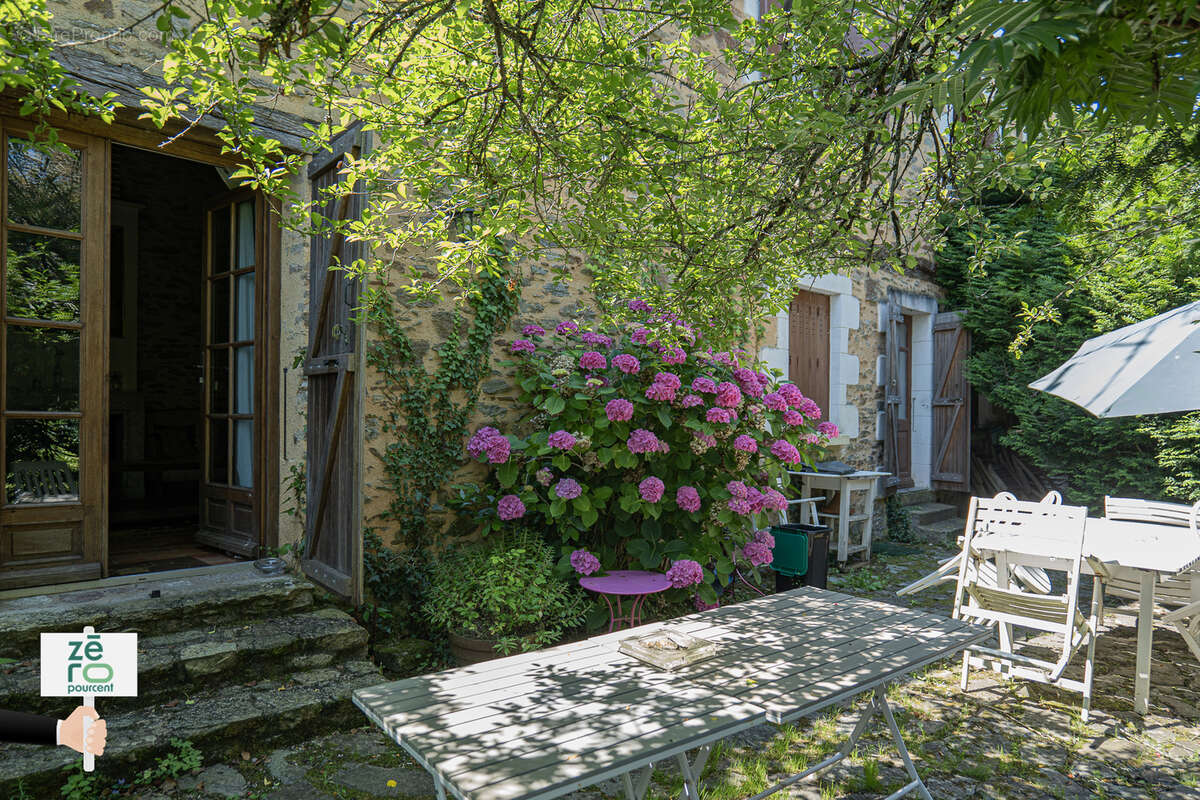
(53, 359)
(233, 463)
(951, 404)
(332, 554)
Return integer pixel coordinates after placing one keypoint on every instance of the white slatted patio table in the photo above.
(540, 725)
(1145, 549)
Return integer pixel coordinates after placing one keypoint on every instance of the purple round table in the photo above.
(621, 583)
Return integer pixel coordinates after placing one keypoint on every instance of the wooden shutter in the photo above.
(808, 346)
(332, 553)
(951, 404)
(891, 360)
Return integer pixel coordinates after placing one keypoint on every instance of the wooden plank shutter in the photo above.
(891, 407)
(808, 346)
(951, 404)
(333, 543)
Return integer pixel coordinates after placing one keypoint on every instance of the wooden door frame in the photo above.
(97, 200)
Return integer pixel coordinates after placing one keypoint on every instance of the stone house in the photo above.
(184, 374)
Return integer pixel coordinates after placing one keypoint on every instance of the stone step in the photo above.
(926, 513)
(157, 606)
(218, 722)
(172, 665)
(946, 530)
(914, 497)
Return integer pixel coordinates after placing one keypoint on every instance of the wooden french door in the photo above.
(233, 364)
(53, 358)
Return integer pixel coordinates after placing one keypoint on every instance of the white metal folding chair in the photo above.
(1059, 532)
(1179, 594)
(1034, 579)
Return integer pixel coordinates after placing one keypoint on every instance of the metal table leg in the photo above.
(878, 705)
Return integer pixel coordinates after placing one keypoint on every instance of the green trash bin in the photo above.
(789, 556)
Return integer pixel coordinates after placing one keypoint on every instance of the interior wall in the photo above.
(155, 378)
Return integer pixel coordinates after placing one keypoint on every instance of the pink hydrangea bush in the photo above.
(646, 448)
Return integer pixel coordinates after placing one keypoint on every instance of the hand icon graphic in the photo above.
(71, 733)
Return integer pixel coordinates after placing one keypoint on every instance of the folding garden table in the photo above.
(540, 725)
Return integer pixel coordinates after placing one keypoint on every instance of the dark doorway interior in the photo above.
(156, 264)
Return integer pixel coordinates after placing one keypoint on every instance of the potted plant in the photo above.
(502, 596)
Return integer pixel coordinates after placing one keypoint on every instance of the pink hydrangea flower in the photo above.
(705, 385)
(740, 505)
(764, 537)
(703, 606)
(593, 360)
(639, 335)
(642, 441)
(764, 380)
(584, 562)
(510, 507)
(745, 443)
(533, 330)
(544, 476)
(785, 451)
(812, 438)
(661, 392)
(566, 328)
(775, 401)
(702, 442)
(757, 553)
(791, 394)
(744, 376)
(828, 429)
(810, 409)
(674, 355)
(692, 400)
(568, 489)
(596, 339)
(561, 439)
(717, 415)
(773, 500)
(728, 395)
(687, 498)
(793, 417)
(478, 443)
(627, 363)
(685, 572)
(663, 447)
(668, 379)
(755, 498)
(619, 410)
(523, 346)
(737, 489)
(640, 306)
(498, 450)
(651, 489)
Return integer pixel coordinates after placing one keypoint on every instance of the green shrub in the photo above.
(505, 589)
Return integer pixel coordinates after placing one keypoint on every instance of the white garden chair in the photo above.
(1051, 536)
(1032, 578)
(1179, 594)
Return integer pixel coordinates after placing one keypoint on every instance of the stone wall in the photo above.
(544, 301)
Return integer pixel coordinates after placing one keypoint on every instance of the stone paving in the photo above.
(1011, 740)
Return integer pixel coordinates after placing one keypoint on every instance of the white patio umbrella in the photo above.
(1150, 367)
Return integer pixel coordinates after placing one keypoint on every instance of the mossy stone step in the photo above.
(162, 605)
(219, 721)
(172, 665)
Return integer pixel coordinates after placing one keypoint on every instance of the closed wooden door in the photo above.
(53, 356)
(232, 364)
(808, 346)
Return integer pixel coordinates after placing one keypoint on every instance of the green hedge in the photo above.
(1153, 457)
